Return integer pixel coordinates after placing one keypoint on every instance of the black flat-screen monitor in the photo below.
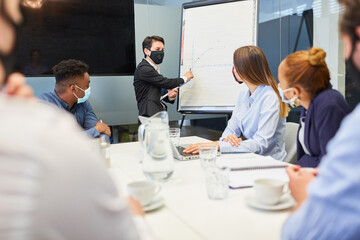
(99, 32)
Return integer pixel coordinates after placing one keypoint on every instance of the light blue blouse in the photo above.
(257, 118)
(332, 209)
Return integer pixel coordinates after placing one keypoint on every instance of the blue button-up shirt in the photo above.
(257, 118)
(83, 113)
(332, 209)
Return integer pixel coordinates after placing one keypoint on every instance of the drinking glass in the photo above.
(105, 151)
(217, 182)
(174, 134)
(208, 155)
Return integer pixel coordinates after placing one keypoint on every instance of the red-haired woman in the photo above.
(304, 79)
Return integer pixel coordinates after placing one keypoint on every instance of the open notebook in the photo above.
(245, 168)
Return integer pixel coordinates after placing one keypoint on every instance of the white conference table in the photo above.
(188, 213)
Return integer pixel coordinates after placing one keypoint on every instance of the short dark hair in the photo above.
(68, 69)
(148, 41)
(350, 18)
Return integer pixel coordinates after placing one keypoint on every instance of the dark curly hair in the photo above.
(68, 69)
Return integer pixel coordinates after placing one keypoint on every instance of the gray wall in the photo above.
(113, 98)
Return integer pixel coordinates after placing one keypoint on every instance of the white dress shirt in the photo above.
(301, 136)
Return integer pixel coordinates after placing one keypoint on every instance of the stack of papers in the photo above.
(245, 168)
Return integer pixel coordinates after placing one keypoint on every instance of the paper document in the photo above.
(245, 179)
(165, 95)
(249, 161)
(245, 168)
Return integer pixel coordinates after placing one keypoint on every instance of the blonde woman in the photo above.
(258, 121)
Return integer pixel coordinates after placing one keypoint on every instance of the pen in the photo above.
(231, 187)
(256, 168)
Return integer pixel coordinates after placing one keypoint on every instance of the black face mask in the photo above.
(8, 60)
(239, 82)
(157, 56)
(351, 68)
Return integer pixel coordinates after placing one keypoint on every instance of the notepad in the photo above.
(165, 95)
(245, 168)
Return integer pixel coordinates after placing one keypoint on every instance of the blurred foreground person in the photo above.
(53, 185)
(328, 204)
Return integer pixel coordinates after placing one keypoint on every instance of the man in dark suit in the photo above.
(148, 82)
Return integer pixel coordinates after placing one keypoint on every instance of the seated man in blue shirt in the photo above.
(72, 90)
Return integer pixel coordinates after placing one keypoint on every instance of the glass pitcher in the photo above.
(158, 160)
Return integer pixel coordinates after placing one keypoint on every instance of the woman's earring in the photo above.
(294, 102)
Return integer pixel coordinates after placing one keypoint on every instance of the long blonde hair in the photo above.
(251, 64)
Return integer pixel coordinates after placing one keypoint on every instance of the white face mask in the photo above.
(294, 102)
(281, 92)
(85, 97)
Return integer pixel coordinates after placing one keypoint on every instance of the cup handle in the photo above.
(158, 189)
(286, 189)
(141, 134)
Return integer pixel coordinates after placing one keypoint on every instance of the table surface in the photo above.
(188, 213)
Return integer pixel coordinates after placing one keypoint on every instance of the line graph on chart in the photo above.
(211, 63)
(208, 42)
(196, 61)
(210, 55)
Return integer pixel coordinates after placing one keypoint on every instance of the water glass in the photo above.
(208, 155)
(174, 134)
(105, 151)
(217, 182)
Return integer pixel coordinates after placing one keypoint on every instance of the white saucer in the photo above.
(286, 201)
(155, 204)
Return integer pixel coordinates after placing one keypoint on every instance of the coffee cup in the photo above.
(143, 191)
(269, 191)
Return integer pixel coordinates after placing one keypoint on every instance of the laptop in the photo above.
(179, 155)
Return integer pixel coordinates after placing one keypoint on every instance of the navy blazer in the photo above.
(326, 111)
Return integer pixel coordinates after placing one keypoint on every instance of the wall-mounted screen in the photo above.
(98, 32)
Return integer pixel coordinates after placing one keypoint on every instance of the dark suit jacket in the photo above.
(148, 84)
(323, 118)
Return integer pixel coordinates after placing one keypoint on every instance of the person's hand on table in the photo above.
(16, 86)
(233, 140)
(103, 128)
(172, 93)
(194, 148)
(135, 207)
(299, 180)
